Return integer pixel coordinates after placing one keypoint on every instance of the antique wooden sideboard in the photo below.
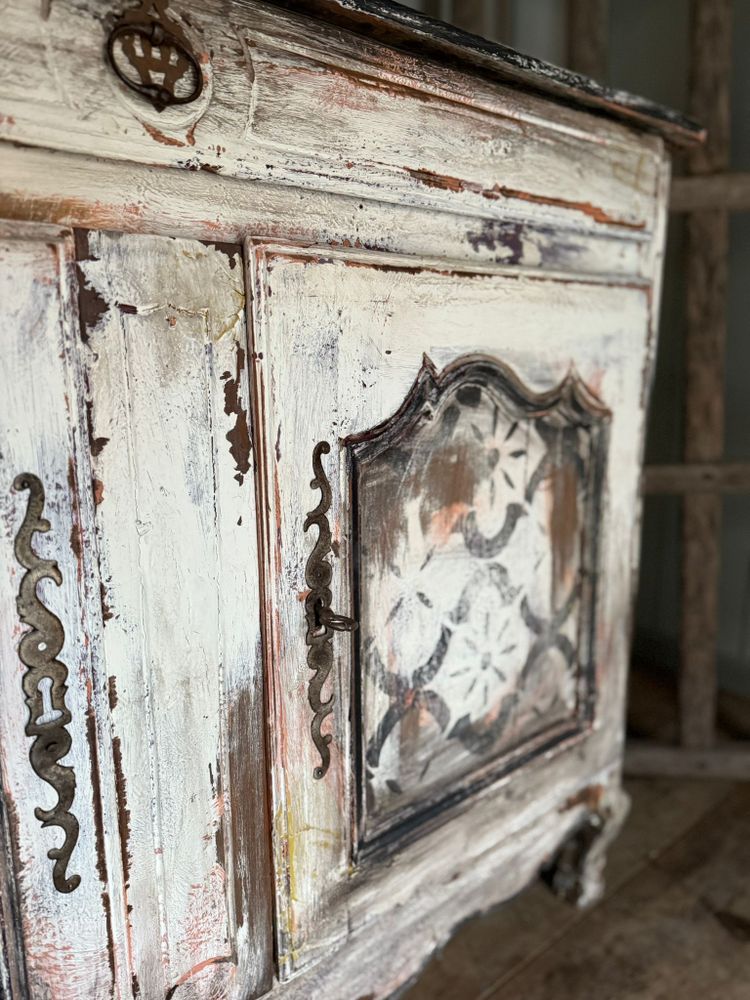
(327, 334)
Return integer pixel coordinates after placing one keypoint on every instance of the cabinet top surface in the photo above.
(406, 29)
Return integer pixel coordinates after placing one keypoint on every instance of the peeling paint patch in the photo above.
(502, 237)
(430, 179)
(165, 140)
(239, 436)
(96, 444)
(91, 305)
(230, 250)
(590, 796)
(112, 692)
(75, 541)
(123, 813)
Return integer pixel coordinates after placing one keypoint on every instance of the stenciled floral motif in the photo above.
(476, 531)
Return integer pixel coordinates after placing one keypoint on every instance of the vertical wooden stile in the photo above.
(587, 37)
(706, 280)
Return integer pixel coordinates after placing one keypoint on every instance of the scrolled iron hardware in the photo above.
(44, 683)
(321, 621)
(164, 52)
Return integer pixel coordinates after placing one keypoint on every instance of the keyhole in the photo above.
(49, 714)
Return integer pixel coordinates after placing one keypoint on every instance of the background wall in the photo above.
(647, 46)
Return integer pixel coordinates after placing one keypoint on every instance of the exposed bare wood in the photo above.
(587, 37)
(730, 192)
(706, 280)
(706, 477)
(710, 74)
(730, 762)
(699, 629)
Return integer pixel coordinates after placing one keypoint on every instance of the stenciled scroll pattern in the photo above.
(321, 621)
(45, 683)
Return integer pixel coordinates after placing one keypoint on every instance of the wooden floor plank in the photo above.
(679, 928)
(495, 948)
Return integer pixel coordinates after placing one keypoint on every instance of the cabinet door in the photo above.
(165, 368)
(54, 895)
(473, 444)
(170, 800)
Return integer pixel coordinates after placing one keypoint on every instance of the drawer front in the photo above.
(473, 442)
(293, 100)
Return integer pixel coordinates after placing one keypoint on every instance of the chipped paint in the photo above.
(123, 812)
(455, 184)
(589, 796)
(239, 435)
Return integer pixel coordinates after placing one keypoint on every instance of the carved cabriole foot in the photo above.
(576, 872)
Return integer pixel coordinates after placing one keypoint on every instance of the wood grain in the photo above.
(679, 926)
(492, 950)
(726, 763)
(102, 194)
(406, 29)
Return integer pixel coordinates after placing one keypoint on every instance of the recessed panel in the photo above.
(476, 538)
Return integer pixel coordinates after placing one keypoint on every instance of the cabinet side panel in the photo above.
(65, 935)
(172, 464)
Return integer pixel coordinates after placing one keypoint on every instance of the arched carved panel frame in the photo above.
(476, 511)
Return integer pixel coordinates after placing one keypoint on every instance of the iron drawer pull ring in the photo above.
(155, 59)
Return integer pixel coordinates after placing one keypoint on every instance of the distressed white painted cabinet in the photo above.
(327, 335)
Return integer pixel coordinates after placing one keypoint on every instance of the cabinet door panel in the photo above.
(166, 370)
(475, 526)
(473, 441)
(57, 943)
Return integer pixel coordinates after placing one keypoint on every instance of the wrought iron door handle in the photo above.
(45, 683)
(329, 619)
(321, 621)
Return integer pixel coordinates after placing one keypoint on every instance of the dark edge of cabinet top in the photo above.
(406, 29)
